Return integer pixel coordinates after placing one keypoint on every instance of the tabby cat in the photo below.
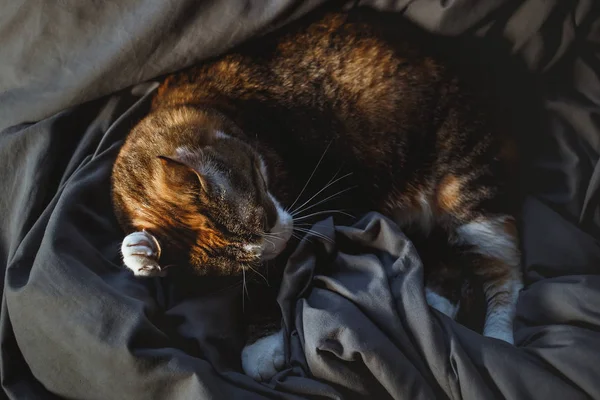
(207, 181)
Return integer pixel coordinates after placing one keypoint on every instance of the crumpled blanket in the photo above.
(74, 324)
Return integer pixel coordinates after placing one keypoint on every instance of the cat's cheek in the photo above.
(280, 233)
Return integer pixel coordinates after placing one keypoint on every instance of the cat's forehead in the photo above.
(225, 149)
(184, 152)
(229, 164)
(255, 156)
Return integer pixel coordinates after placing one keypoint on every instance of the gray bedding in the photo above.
(73, 324)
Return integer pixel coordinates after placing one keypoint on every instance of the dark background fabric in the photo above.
(73, 324)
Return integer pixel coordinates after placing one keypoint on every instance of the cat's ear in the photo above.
(180, 174)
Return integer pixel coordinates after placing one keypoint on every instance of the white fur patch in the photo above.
(279, 234)
(221, 135)
(426, 220)
(253, 249)
(183, 152)
(250, 248)
(264, 358)
(491, 239)
(141, 252)
(423, 220)
(441, 303)
(499, 318)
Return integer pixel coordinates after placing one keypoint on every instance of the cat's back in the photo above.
(344, 62)
(370, 78)
(356, 57)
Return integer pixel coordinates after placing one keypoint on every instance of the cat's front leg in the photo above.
(262, 359)
(141, 252)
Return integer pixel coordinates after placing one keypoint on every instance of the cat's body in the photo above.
(230, 144)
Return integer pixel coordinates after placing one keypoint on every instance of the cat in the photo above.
(205, 184)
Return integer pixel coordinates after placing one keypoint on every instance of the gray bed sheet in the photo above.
(73, 324)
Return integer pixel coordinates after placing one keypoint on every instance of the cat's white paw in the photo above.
(262, 359)
(504, 333)
(441, 303)
(141, 252)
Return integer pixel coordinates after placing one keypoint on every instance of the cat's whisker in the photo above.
(311, 231)
(297, 236)
(315, 233)
(244, 289)
(228, 287)
(335, 175)
(326, 199)
(259, 274)
(324, 212)
(269, 234)
(311, 175)
(302, 235)
(272, 235)
(270, 242)
(299, 209)
(331, 182)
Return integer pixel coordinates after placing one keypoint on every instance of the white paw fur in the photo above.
(141, 252)
(499, 319)
(501, 334)
(441, 303)
(262, 359)
(490, 239)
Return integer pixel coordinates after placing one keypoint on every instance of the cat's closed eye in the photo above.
(260, 171)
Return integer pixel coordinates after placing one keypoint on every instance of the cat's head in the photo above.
(212, 198)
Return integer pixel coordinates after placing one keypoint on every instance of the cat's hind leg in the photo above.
(499, 269)
(262, 359)
(141, 252)
(441, 303)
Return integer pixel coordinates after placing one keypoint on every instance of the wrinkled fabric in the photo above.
(74, 324)
(364, 325)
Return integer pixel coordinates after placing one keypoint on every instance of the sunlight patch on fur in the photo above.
(441, 303)
(491, 239)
